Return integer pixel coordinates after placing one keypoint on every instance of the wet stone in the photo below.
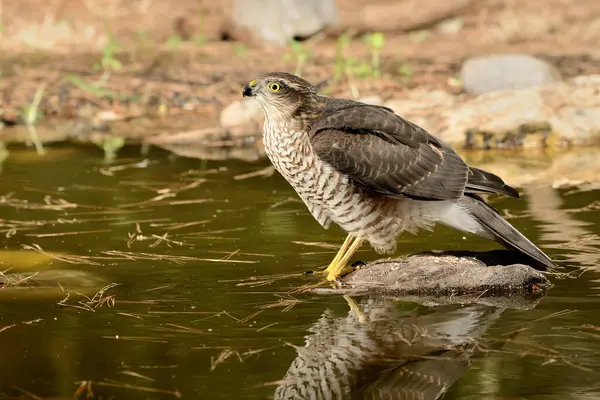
(443, 278)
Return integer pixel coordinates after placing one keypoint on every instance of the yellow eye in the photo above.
(274, 87)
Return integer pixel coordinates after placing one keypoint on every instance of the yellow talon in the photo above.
(343, 256)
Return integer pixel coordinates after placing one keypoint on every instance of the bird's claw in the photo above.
(338, 283)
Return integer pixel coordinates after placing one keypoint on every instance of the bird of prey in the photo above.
(380, 351)
(374, 173)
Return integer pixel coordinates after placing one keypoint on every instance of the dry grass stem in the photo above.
(138, 388)
(90, 303)
(71, 259)
(136, 375)
(170, 258)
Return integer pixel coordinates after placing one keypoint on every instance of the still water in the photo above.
(164, 277)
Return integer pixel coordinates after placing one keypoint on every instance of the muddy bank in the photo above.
(171, 97)
(170, 77)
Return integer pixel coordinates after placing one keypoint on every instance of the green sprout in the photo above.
(375, 41)
(111, 147)
(344, 65)
(174, 41)
(406, 71)
(300, 53)
(31, 115)
(341, 61)
(96, 90)
(109, 63)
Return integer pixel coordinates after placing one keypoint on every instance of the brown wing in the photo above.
(386, 154)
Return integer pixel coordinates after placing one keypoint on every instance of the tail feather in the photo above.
(501, 230)
(483, 181)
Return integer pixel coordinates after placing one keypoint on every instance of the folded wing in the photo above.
(386, 154)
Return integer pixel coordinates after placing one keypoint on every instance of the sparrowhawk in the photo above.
(374, 173)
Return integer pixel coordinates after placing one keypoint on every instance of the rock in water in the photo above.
(448, 278)
(279, 21)
(506, 71)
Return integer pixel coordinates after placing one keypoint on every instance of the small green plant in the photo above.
(344, 65)
(406, 71)
(31, 115)
(95, 90)
(111, 147)
(455, 81)
(174, 41)
(109, 63)
(375, 41)
(300, 54)
(362, 69)
(1, 29)
(341, 60)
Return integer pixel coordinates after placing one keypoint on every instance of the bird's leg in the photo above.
(340, 253)
(336, 270)
(360, 316)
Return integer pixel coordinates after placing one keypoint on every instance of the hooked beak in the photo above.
(249, 89)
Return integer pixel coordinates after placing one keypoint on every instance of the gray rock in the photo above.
(569, 109)
(506, 71)
(447, 278)
(243, 117)
(279, 21)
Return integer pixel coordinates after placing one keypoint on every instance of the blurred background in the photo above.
(116, 72)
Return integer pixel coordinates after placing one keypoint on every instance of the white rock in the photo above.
(279, 21)
(506, 71)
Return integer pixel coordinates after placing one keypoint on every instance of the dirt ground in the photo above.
(123, 60)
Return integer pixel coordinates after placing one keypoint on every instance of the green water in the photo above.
(198, 314)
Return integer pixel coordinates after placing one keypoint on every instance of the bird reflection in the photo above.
(380, 351)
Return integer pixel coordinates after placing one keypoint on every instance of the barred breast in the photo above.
(331, 196)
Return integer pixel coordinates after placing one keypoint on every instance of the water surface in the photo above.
(196, 310)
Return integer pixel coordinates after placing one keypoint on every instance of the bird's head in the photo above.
(281, 94)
